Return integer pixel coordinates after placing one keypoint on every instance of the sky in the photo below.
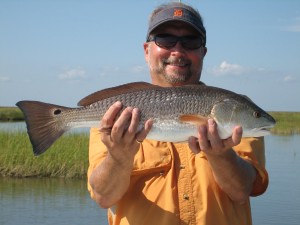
(59, 51)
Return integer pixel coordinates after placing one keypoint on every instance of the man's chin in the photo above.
(176, 78)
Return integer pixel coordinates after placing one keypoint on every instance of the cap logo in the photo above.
(178, 13)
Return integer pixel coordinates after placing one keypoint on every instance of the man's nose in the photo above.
(178, 48)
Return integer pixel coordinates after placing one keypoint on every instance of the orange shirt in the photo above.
(170, 185)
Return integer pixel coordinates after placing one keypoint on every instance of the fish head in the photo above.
(231, 112)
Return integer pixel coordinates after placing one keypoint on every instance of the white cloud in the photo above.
(289, 78)
(139, 69)
(73, 74)
(294, 26)
(226, 68)
(109, 71)
(4, 79)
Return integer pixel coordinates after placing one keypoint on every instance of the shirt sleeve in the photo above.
(97, 153)
(253, 151)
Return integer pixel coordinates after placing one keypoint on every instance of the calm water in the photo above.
(47, 201)
(280, 205)
(21, 126)
(60, 201)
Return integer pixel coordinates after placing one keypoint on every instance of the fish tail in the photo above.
(44, 123)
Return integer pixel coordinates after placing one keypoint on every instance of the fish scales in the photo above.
(176, 112)
(159, 103)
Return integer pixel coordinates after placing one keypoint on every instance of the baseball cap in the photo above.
(177, 13)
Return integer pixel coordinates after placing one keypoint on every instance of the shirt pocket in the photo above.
(152, 156)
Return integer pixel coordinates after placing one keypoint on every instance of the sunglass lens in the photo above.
(169, 41)
(191, 42)
(166, 41)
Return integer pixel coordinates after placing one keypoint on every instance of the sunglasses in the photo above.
(168, 41)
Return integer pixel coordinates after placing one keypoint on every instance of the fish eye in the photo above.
(256, 114)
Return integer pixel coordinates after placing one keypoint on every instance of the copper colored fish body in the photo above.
(175, 111)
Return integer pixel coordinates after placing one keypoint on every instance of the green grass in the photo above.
(11, 114)
(68, 157)
(287, 123)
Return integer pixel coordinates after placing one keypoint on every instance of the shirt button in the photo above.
(182, 166)
(186, 197)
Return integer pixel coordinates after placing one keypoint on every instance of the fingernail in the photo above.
(136, 110)
(239, 130)
(202, 129)
(118, 103)
(211, 122)
(130, 109)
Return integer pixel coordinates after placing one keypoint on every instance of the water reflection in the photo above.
(47, 201)
(281, 202)
(21, 126)
(12, 126)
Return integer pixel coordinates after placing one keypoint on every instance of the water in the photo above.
(12, 126)
(21, 126)
(60, 201)
(281, 202)
(47, 201)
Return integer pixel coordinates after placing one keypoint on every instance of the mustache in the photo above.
(173, 60)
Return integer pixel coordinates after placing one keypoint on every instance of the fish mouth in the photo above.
(263, 130)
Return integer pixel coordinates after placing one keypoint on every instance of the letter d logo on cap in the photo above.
(178, 13)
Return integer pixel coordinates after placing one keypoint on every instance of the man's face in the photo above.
(176, 65)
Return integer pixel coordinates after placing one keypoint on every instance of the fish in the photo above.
(176, 112)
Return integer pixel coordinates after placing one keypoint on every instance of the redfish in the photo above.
(176, 113)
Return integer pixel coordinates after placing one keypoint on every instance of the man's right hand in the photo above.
(120, 134)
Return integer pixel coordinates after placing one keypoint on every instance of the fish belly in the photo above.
(171, 131)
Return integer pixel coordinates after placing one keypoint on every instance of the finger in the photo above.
(121, 124)
(213, 134)
(141, 135)
(135, 118)
(105, 130)
(236, 137)
(194, 145)
(202, 138)
(110, 115)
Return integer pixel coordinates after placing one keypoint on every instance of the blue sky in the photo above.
(61, 50)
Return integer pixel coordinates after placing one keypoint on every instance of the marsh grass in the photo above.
(68, 157)
(287, 123)
(11, 114)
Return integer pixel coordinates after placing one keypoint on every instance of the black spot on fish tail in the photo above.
(44, 124)
(57, 111)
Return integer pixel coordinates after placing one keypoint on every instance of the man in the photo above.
(205, 181)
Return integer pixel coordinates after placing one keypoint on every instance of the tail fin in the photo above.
(44, 124)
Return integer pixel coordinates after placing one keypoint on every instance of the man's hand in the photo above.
(110, 180)
(120, 135)
(234, 175)
(210, 142)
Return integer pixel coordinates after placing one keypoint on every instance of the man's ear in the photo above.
(146, 50)
(204, 51)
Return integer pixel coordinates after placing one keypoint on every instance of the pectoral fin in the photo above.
(193, 119)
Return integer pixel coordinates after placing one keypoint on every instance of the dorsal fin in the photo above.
(113, 91)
